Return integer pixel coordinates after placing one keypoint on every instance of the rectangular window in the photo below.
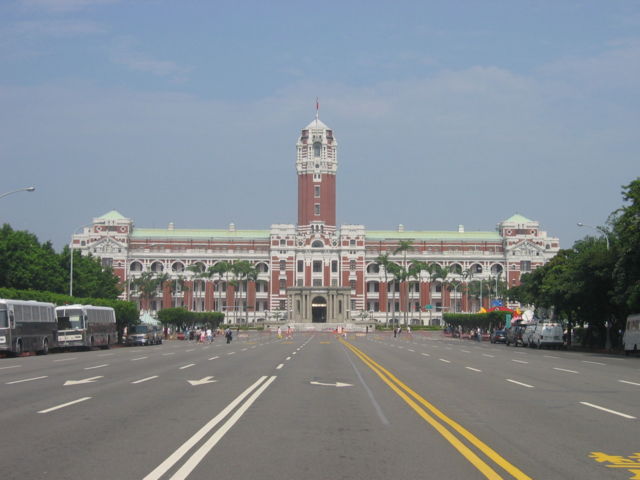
(317, 266)
(339, 306)
(316, 209)
(283, 284)
(300, 266)
(317, 282)
(334, 266)
(283, 242)
(283, 265)
(525, 266)
(352, 265)
(353, 284)
(282, 305)
(316, 191)
(353, 305)
(107, 262)
(300, 282)
(297, 306)
(334, 282)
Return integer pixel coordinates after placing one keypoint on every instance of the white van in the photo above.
(631, 337)
(547, 333)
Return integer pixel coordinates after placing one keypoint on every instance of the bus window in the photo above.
(72, 320)
(138, 329)
(4, 319)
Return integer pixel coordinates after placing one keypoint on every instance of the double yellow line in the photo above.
(438, 420)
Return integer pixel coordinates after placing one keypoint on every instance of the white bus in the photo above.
(86, 326)
(27, 326)
(631, 337)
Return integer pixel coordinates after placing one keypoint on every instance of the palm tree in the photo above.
(404, 246)
(221, 268)
(198, 272)
(467, 275)
(147, 284)
(241, 271)
(383, 261)
(415, 270)
(252, 276)
(441, 273)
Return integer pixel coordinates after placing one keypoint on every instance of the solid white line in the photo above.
(16, 366)
(443, 360)
(139, 358)
(186, 446)
(608, 411)
(197, 457)
(425, 354)
(25, 380)
(66, 359)
(145, 379)
(518, 361)
(213, 358)
(565, 370)
(83, 399)
(519, 383)
(594, 363)
(97, 366)
(280, 366)
(187, 366)
(630, 383)
(474, 369)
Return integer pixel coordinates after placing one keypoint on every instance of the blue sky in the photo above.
(446, 112)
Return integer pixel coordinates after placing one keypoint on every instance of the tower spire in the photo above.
(317, 108)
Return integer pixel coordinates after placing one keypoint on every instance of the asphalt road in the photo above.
(320, 407)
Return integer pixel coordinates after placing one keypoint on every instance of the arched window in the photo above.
(135, 267)
(177, 267)
(317, 244)
(157, 267)
(373, 268)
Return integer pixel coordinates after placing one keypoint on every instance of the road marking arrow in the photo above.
(202, 381)
(337, 384)
(78, 382)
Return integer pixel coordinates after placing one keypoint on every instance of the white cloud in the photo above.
(123, 52)
(57, 28)
(63, 5)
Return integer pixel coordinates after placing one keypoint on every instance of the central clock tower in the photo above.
(316, 165)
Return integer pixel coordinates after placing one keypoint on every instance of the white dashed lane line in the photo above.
(519, 383)
(565, 370)
(473, 369)
(57, 407)
(630, 383)
(187, 366)
(97, 366)
(598, 407)
(26, 380)
(145, 379)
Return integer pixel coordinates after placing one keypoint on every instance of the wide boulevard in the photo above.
(319, 406)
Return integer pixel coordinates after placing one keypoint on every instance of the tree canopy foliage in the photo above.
(25, 263)
(597, 280)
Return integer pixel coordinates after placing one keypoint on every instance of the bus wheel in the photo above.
(18, 348)
(45, 347)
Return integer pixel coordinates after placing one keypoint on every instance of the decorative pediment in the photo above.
(525, 248)
(108, 245)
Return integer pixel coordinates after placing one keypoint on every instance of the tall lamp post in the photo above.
(25, 189)
(599, 229)
(71, 260)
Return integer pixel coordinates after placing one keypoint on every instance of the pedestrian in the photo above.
(279, 332)
(408, 330)
(478, 334)
(229, 334)
(209, 335)
(395, 332)
(203, 335)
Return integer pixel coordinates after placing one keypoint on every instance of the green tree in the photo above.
(27, 264)
(90, 278)
(383, 261)
(221, 269)
(403, 247)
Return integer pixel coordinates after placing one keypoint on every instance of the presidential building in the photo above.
(316, 271)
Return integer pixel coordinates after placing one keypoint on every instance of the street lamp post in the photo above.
(599, 229)
(25, 189)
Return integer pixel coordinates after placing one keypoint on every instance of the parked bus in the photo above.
(27, 326)
(86, 326)
(631, 337)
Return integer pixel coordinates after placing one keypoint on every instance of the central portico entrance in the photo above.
(319, 310)
(319, 304)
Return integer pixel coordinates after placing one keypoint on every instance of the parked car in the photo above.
(514, 335)
(547, 333)
(144, 334)
(498, 336)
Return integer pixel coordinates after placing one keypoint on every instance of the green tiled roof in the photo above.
(141, 233)
(517, 218)
(112, 215)
(433, 236)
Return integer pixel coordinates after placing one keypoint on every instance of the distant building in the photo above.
(315, 272)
